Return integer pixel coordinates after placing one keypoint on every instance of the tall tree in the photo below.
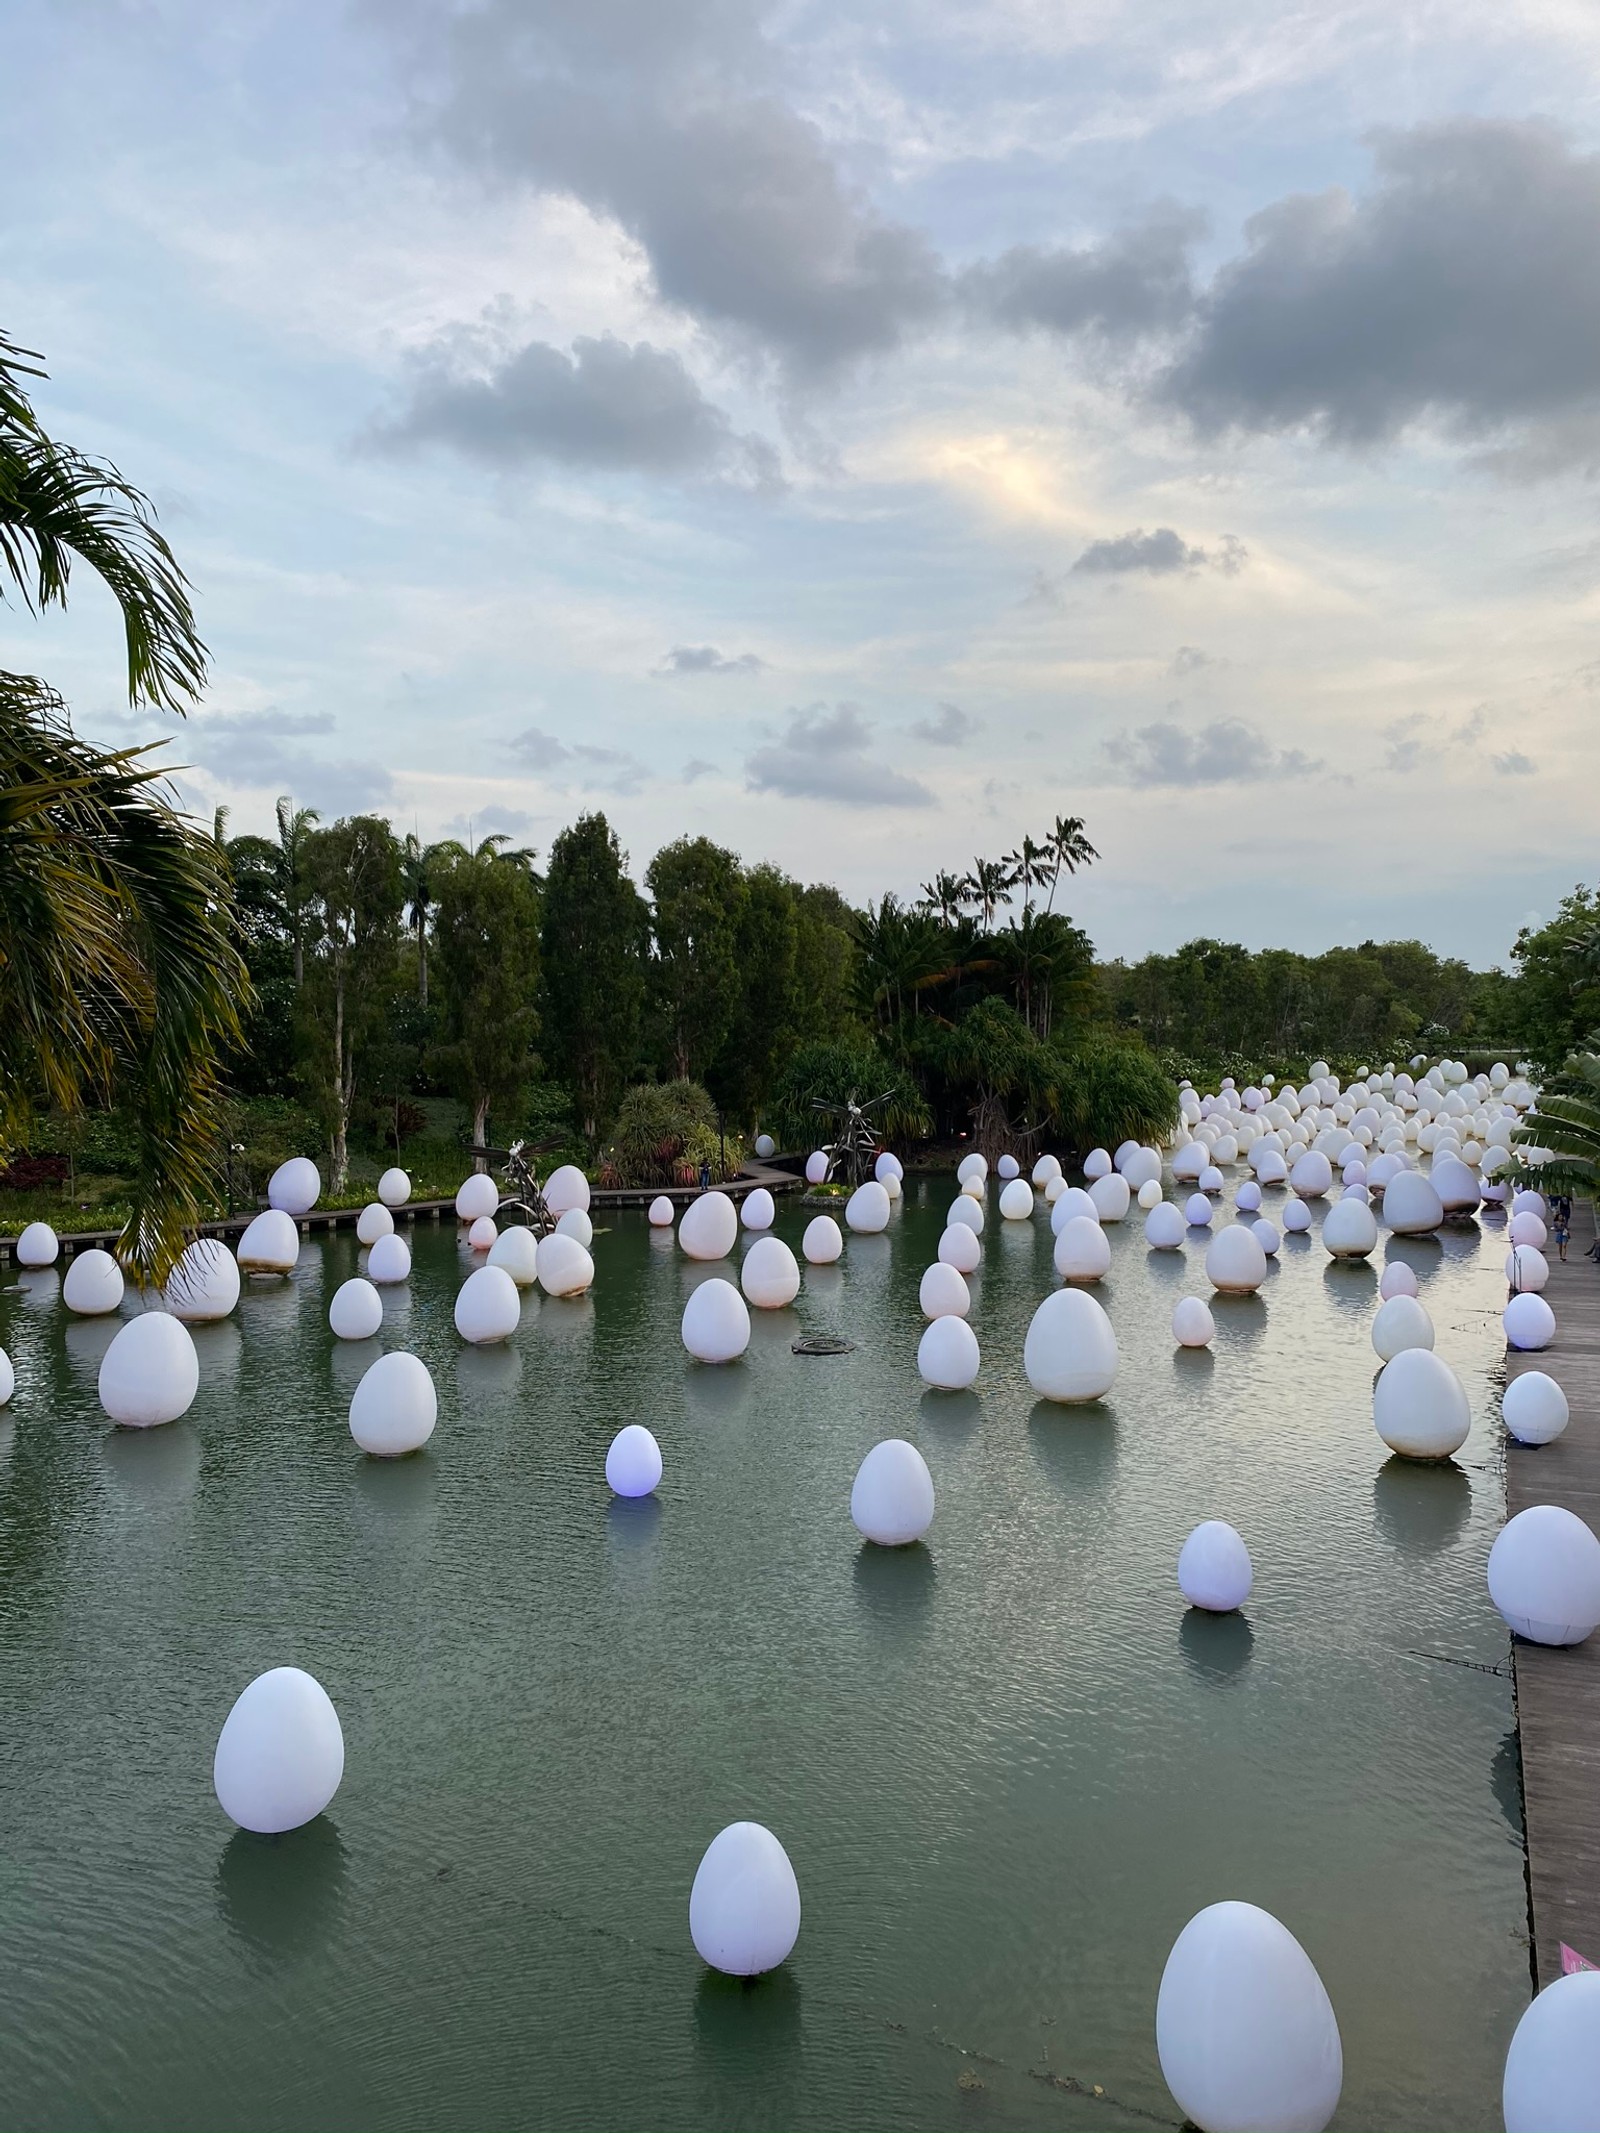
(763, 1029)
(486, 948)
(352, 912)
(592, 942)
(295, 827)
(696, 890)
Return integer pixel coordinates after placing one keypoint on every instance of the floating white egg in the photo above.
(389, 1261)
(8, 1378)
(891, 1499)
(947, 1354)
(1070, 1353)
(966, 1211)
(487, 1306)
(94, 1284)
(770, 1275)
(1197, 1211)
(817, 1166)
(1189, 1161)
(759, 1210)
(517, 1250)
(959, 1247)
(1164, 1227)
(356, 1311)
(887, 1166)
(1111, 1197)
(575, 1223)
(280, 1754)
(1529, 1322)
(270, 1245)
(150, 1373)
(1071, 1202)
(1397, 1279)
(1552, 2077)
(1149, 1194)
(973, 1166)
(394, 1188)
(1419, 1406)
(1046, 1171)
(633, 1463)
(1008, 1168)
(1266, 1235)
(394, 1408)
(1400, 1322)
(1245, 2031)
(662, 1215)
(1527, 1269)
(744, 1908)
(1528, 1229)
(563, 1266)
(943, 1292)
(373, 1222)
(1248, 1198)
(867, 1209)
(481, 1237)
(766, 1146)
(1192, 1323)
(716, 1323)
(1544, 1575)
(1142, 1168)
(1211, 1180)
(1296, 1218)
(1311, 1176)
(1083, 1251)
(1214, 1570)
(1534, 1408)
(478, 1195)
(564, 1188)
(1455, 1184)
(204, 1285)
(1016, 1201)
(37, 1245)
(1096, 1164)
(709, 1226)
(295, 1187)
(1411, 1207)
(1235, 1262)
(1271, 1169)
(823, 1241)
(1349, 1230)
(1530, 1203)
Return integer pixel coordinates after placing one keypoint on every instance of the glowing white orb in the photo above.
(1453, 1180)
(943, 1292)
(1311, 1176)
(662, 1214)
(1111, 1197)
(1411, 1207)
(1046, 1171)
(823, 1241)
(373, 1222)
(633, 1463)
(766, 1146)
(394, 1408)
(575, 1224)
(150, 1373)
(394, 1188)
(1211, 1180)
(1070, 1353)
(1270, 1168)
(972, 1167)
(1527, 1269)
(770, 1274)
(280, 1754)
(563, 1266)
(969, 1212)
(1245, 2031)
(1082, 1251)
(1528, 1229)
(1397, 1279)
(1400, 1322)
(1530, 1203)
(94, 1285)
(270, 1245)
(1534, 1408)
(356, 1311)
(1164, 1227)
(887, 1166)
(389, 1261)
(1096, 1164)
(1248, 1198)
(760, 1210)
(744, 1908)
(1008, 1168)
(891, 1500)
(517, 1250)
(295, 1187)
(1149, 1194)
(1296, 1218)
(1266, 1235)
(37, 1245)
(564, 1188)
(478, 1195)
(1069, 1204)
(8, 1378)
(1552, 2077)
(1235, 1262)
(1544, 1575)
(716, 1323)
(1349, 1230)
(1192, 1323)
(1197, 1211)
(959, 1247)
(482, 1236)
(867, 1209)
(204, 1285)
(1214, 1567)
(1419, 1406)
(709, 1226)
(1529, 1322)
(487, 1306)
(1142, 1168)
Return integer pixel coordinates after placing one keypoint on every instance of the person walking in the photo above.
(1561, 1220)
(705, 1175)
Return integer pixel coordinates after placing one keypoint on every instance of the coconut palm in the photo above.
(991, 883)
(1069, 849)
(295, 826)
(948, 895)
(1566, 1120)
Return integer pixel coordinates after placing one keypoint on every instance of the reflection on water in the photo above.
(896, 1586)
(1194, 1366)
(219, 1346)
(487, 1372)
(282, 1896)
(716, 1392)
(747, 2036)
(396, 1499)
(1506, 1777)
(1420, 1505)
(1076, 1447)
(1216, 1647)
(153, 1468)
(950, 1411)
(39, 1288)
(1241, 1320)
(86, 1341)
(349, 1362)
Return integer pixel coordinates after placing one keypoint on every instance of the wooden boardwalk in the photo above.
(1558, 1689)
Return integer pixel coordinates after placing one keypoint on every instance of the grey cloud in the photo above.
(696, 768)
(706, 659)
(263, 749)
(608, 405)
(1134, 282)
(1514, 764)
(581, 763)
(1226, 752)
(950, 728)
(1465, 285)
(490, 822)
(1190, 659)
(1159, 554)
(823, 755)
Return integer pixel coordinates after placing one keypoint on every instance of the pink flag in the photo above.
(1571, 1960)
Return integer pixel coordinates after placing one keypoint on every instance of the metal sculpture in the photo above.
(854, 1147)
(527, 1195)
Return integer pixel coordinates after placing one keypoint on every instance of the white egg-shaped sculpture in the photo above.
(1266, 1235)
(389, 1261)
(1197, 1211)
(893, 1187)
(1530, 1203)
(744, 1908)
(1527, 1229)
(888, 1166)
(766, 1146)
(1349, 1230)
(966, 1211)
(1008, 1168)
(759, 1210)
(1070, 1353)
(1211, 1180)
(1149, 1194)
(487, 1306)
(716, 1323)
(1142, 1168)
(280, 1754)
(1296, 1218)
(1311, 1176)
(709, 1226)
(394, 1408)
(1411, 1207)
(817, 1166)
(959, 1247)
(973, 1167)
(1071, 1202)
(1097, 1164)
(1083, 1251)
(1397, 1279)
(563, 1266)
(150, 1373)
(1214, 1570)
(373, 1222)
(575, 1223)
(204, 1285)
(868, 1207)
(270, 1245)
(633, 1463)
(295, 1187)
(662, 1213)
(93, 1284)
(1192, 1323)
(1189, 1161)
(824, 1241)
(1245, 2031)
(1419, 1406)
(1527, 1269)
(975, 1188)
(1270, 1168)
(517, 1250)
(356, 1311)
(943, 1292)
(481, 1236)
(1552, 2077)
(8, 1378)
(1529, 1322)
(1382, 1170)
(1544, 1575)
(1400, 1322)
(1016, 1201)
(1111, 1197)
(1248, 1198)
(37, 1246)
(566, 1187)
(1164, 1227)
(1534, 1408)
(1046, 1171)
(1235, 1263)
(1454, 1182)
(947, 1354)
(770, 1274)
(394, 1188)
(477, 1195)
(891, 1499)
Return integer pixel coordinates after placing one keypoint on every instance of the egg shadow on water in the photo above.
(1351, 1285)
(1194, 1366)
(154, 1468)
(1215, 1647)
(1242, 1319)
(633, 1532)
(716, 1393)
(950, 1410)
(1169, 1267)
(491, 1370)
(87, 1339)
(349, 1362)
(1505, 1779)
(1420, 1505)
(283, 1896)
(1075, 1445)
(895, 1586)
(1421, 1254)
(396, 1499)
(748, 2040)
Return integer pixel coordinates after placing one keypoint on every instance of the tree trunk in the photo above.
(341, 1091)
(422, 964)
(299, 959)
(480, 1119)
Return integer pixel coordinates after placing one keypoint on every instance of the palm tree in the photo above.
(1031, 868)
(1069, 848)
(295, 825)
(1566, 1120)
(991, 882)
(118, 967)
(948, 895)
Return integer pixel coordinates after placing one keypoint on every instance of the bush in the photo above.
(1111, 1093)
(830, 1073)
(663, 1127)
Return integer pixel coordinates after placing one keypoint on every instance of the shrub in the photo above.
(830, 1073)
(1106, 1094)
(662, 1127)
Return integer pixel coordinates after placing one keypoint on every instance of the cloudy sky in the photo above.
(859, 433)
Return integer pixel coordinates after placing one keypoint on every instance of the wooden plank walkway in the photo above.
(1558, 1689)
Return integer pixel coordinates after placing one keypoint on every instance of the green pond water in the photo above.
(1007, 1766)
